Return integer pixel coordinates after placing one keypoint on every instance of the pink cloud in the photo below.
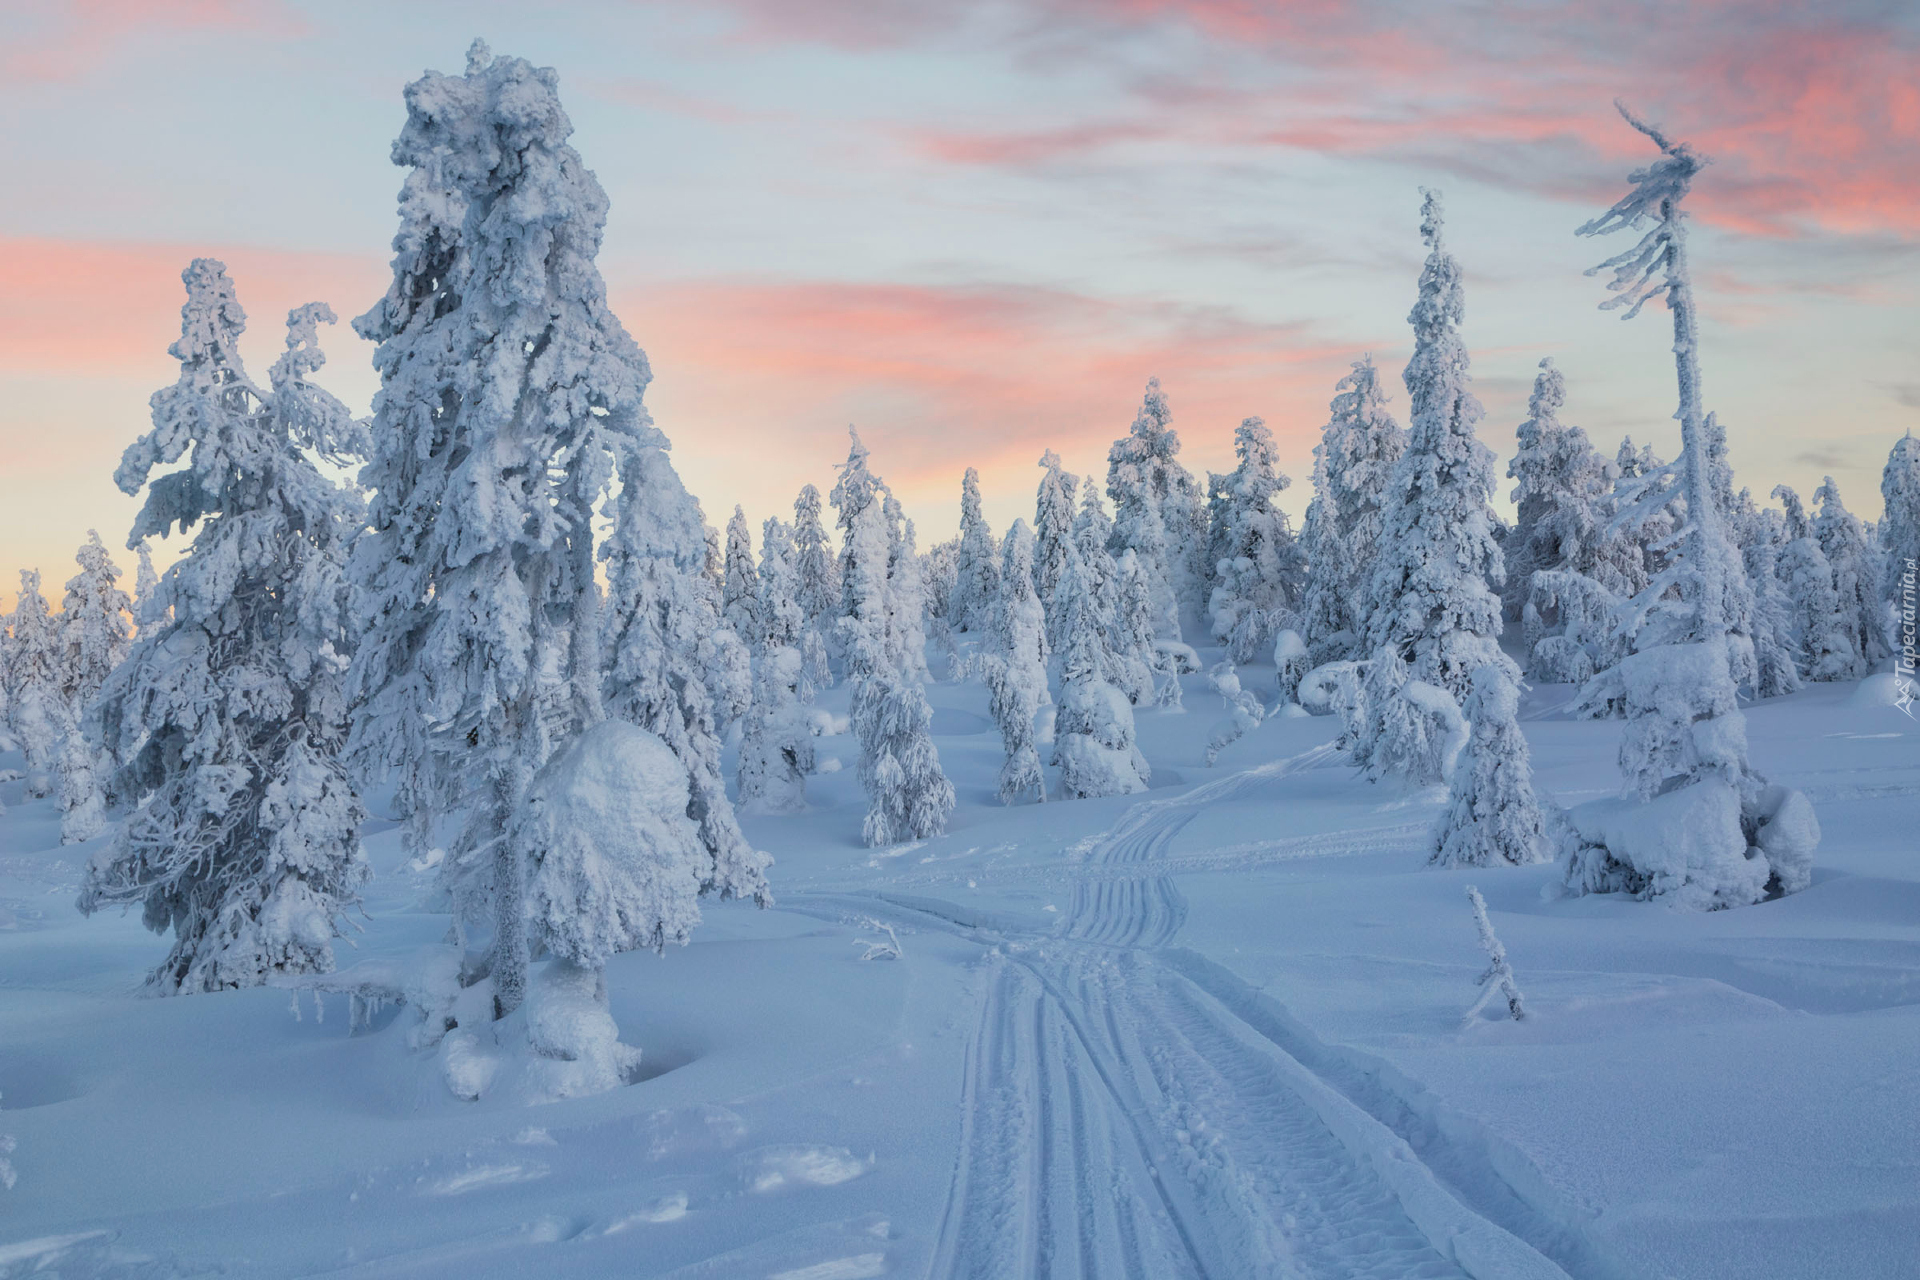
(756, 382)
(1812, 114)
(75, 306)
(70, 36)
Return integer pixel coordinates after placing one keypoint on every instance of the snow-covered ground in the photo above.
(1210, 1031)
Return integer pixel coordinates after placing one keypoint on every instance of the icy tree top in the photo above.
(1658, 189)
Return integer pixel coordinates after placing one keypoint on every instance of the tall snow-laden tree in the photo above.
(776, 743)
(815, 576)
(1016, 669)
(95, 623)
(1855, 576)
(908, 795)
(816, 586)
(229, 716)
(1353, 468)
(1133, 631)
(38, 713)
(977, 570)
(95, 634)
(906, 595)
(508, 389)
(1762, 539)
(1492, 817)
(1432, 591)
(1695, 824)
(1561, 486)
(1900, 544)
(1158, 512)
(776, 588)
(149, 608)
(1053, 518)
(1093, 742)
(673, 666)
(739, 582)
(1825, 640)
(1260, 573)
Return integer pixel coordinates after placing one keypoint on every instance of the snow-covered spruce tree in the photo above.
(1093, 742)
(939, 569)
(1260, 574)
(1900, 548)
(977, 570)
(908, 795)
(1762, 538)
(776, 744)
(816, 586)
(95, 626)
(96, 634)
(777, 607)
(1405, 728)
(1561, 490)
(1352, 480)
(1855, 575)
(507, 389)
(739, 583)
(1696, 824)
(1492, 817)
(906, 595)
(1158, 513)
(229, 717)
(816, 579)
(38, 714)
(1053, 520)
(672, 663)
(1432, 592)
(1825, 641)
(149, 609)
(1136, 659)
(1016, 669)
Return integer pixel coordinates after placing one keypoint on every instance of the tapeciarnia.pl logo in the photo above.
(1903, 664)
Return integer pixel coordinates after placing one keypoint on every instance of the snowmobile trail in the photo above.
(1119, 1121)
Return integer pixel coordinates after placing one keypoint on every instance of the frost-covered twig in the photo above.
(1498, 979)
(888, 950)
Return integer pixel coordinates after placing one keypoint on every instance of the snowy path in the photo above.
(1121, 1122)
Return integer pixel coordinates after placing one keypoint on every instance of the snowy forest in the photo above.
(473, 790)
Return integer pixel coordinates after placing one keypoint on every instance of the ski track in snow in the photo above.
(1119, 1121)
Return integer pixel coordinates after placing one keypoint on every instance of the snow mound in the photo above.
(776, 1168)
(614, 861)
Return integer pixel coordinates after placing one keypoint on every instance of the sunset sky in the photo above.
(975, 230)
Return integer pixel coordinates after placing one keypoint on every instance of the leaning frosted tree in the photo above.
(1696, 824)
(230, 714)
